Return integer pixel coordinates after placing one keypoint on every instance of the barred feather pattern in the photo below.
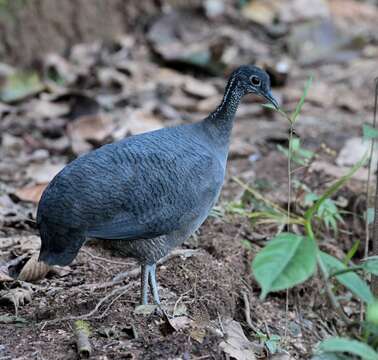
(146, 193)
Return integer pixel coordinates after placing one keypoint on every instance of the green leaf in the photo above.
(352, 251)
(246, 244)
(19, 86)
(295, 144)
(350, 280)
(269, 106)
(369, 132)
(273, 343)
(338, 344)
(371, 265)
(279, 110)
(301, 101)
(310, 198)
(287, 260)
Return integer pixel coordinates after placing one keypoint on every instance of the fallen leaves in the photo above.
(338, 171)
(199, 88)
(16, 296)
(89, 128)
(20, 85)
(260, 11)
(135, 122)
(236, 344)
(20, 257)
(43, 172)
(31, 193)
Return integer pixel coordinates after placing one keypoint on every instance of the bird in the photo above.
(147, 193)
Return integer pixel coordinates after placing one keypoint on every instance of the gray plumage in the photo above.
(148, 192)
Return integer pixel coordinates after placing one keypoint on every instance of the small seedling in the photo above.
(291, 258)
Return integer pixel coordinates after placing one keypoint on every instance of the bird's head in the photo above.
(254, 80)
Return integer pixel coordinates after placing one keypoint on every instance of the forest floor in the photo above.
(100, 93)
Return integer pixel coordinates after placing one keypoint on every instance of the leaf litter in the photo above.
(99, 93)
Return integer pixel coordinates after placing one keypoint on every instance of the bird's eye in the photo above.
(255, 80)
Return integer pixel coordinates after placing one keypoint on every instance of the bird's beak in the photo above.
(269, 96)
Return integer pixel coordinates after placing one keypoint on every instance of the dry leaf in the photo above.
(199, 88)
(180, 322)
(8, 242)
(354, 11)
(261, 11)
(60, 271)
(57, 64)
(42, 108)
(198, 333)
(4, 277)
(43, 172)
(338, 171)
(173, 324)
(4, 269)
(353, 150)
(145, 309)
(300, 10)
(31, 193)
(33, 269)
(236, 344)
(26, 244)
(137, 122)
(17, 296)
(97, 128)
(209, 104)
(91, 127)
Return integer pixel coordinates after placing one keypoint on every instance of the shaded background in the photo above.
(78, 74)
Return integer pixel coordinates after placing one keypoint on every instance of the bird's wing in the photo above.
(166, 192)
(142, 188)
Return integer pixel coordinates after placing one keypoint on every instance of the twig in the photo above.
(14, 262)
(334, 303)
(104, 259)
(288, 217)
(247, 312)
(136, 272)
(83, 344)
(121, 290)
(179, 299)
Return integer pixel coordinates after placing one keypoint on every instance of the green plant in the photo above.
(298, 154)
(290, 258)
(327, 211)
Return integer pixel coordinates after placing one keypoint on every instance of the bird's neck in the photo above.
(219, 122)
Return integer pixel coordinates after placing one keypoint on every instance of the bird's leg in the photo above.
(153, 283)
(144, 283)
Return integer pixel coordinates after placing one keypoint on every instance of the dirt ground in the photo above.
(99, 93)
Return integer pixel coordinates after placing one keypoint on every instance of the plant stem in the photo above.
(334, 303)
(343, 271)
(323, 270)
(289, 176)
(374, 279)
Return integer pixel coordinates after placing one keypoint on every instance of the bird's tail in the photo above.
(59, 245)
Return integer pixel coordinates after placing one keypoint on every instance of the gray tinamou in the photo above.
(148, 192)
